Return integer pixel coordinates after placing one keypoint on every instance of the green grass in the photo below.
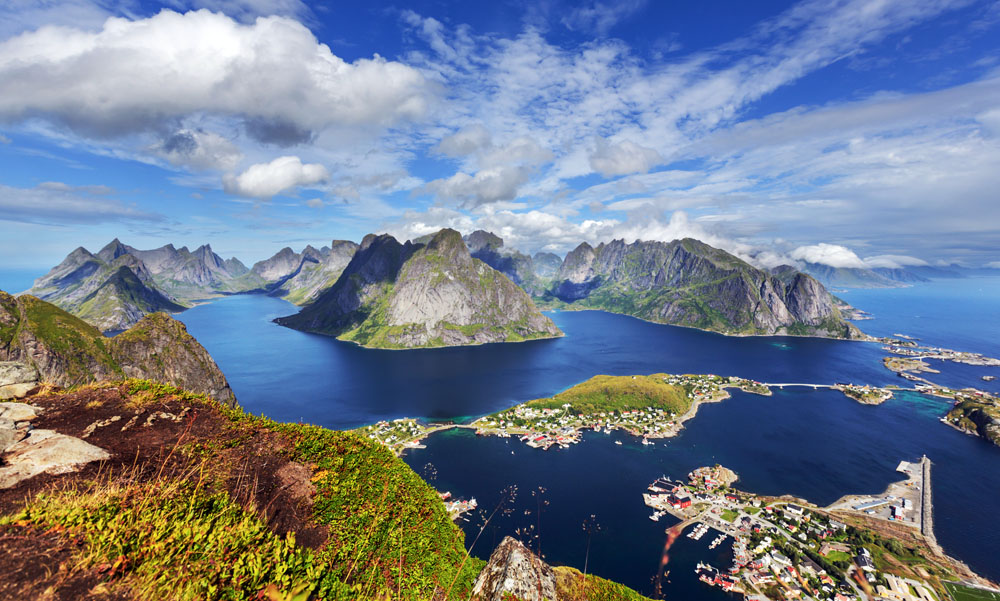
(837, 556)
(176, 540)
(729, 515)
(959, 592)
(619, 393)
(571, 586)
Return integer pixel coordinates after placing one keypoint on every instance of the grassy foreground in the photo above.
(182, 529)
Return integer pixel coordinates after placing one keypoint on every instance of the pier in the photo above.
(926, 508)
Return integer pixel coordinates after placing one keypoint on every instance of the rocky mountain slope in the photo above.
(851, 277)
(111, 292)
(300, 277)
(113, 289)
(546, 264)
(66, 351)
(689, 283)
(409, 295)
(515, 572)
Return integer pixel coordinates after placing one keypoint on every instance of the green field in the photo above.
(967, 593)
(729, 515)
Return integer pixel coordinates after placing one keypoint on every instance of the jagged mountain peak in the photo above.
(112, 251)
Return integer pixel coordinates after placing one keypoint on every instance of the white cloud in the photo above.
(993, 265)
(315, 203)
(198, 150)
(599, 16)
(63, 204)
(623, 158)
(265, 180)
(132, 76)
(833, 255)
(468, 140)
(486, 186)
(4, 139)
(894, 261)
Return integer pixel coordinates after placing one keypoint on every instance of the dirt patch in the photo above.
(39, 565)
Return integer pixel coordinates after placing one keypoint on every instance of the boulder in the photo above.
(46, 452)
(16, 379)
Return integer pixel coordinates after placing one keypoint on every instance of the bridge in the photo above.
(800, 385)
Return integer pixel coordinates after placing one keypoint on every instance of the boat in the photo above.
(645, 441)
(655, 517)
(618, 442)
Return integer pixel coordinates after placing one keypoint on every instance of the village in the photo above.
(788, 550)
(561, 426)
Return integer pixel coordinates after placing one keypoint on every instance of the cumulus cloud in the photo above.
(198, 150)
(486, 186)
(623, 158)
(265, 180)
(833, 255)
(133, 75)
(63, 204)
(894, 261)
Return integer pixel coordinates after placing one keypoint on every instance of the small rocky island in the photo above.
(431, 294)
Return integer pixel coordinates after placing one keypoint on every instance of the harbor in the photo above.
(791, 549)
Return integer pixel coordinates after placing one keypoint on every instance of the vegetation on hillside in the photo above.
(619, 393)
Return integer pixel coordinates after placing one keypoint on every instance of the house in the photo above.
(864, 561)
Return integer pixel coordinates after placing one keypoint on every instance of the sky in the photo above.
(847, 132)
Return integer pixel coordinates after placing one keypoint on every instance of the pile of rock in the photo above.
(26, 452)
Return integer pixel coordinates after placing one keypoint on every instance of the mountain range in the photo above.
(443, 289)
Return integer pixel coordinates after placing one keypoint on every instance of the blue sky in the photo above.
(847, 132)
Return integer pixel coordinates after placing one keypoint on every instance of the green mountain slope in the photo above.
(689, 283)
(68, 351)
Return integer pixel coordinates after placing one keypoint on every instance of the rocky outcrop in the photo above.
(396, 295)
(159, 348)
(317, 271)
(66, 351)
(16, 379)
(518, 267)
(687, 282)
(514, 572)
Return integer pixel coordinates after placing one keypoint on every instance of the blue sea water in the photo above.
(817, 445)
